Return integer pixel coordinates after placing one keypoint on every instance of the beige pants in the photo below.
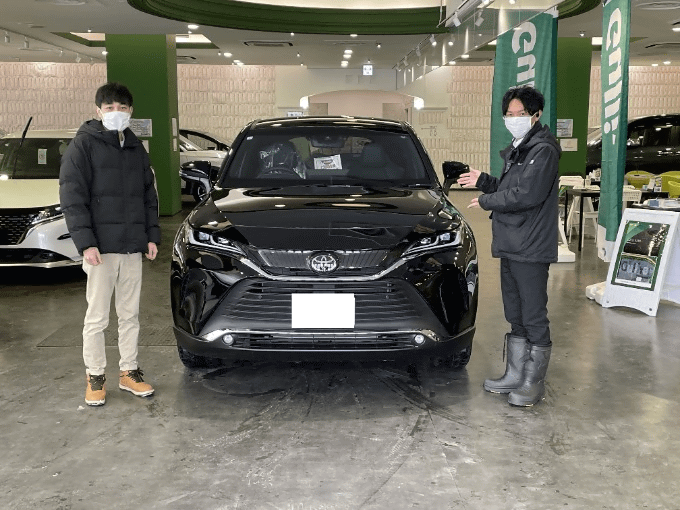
(122, 274)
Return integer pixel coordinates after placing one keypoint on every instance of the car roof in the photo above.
(344, 121)
(44, 133)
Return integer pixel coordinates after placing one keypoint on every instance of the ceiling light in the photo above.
(353, 35)
(89, 30)
(596, 41)
(667, 62)
(582, 33)
(418, 51)
(193, 26)
(676, 29)
(7, 37)
(292, 34)
(452, 62)
(655, 65)
(219, 53)
(78, 59)
(450, 43)
(344, 63)
(465, 56)
(378, 45)
(227, 54)
(105, 52)
(433, 41)
(512, 2)
(26, 43)
(298, 55)
(349, 51)
(302, 64)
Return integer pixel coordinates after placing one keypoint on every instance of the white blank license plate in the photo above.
(322, 311)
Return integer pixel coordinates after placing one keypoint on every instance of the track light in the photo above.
(418, 51)
(378, 45)
(26, 43)
(7, 37)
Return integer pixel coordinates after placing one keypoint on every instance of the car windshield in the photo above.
(325, 155)
(38, 158)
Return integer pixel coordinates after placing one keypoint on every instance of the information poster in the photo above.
(637, 262)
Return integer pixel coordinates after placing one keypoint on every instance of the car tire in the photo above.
(195, 361)
(199, 192)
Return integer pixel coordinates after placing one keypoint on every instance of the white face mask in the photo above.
(116, 120)
(518, 126)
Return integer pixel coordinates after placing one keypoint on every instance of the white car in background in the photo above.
(33, 230)
(196, 146)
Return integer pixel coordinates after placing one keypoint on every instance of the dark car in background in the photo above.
(325, 237)
(200, 156)
(653, 145)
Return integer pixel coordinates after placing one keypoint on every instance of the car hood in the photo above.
(28, 193)
(324, 217)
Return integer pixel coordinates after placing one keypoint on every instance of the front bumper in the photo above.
(44, 245)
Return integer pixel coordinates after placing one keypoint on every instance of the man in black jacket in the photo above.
(524, 213)
(108, 196)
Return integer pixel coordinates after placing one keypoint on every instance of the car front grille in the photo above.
(324, 341)
(295, 262)
(14, 225)
(270, 301)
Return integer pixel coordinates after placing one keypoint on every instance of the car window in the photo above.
(38, 158)
(204, 141)
(660, 134)
(328, 155)
(186, 145)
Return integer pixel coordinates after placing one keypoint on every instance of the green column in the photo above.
(573, 97)
(146, 64)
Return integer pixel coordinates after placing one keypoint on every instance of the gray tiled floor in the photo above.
(342, 436)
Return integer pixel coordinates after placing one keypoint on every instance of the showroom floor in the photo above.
(340, 436)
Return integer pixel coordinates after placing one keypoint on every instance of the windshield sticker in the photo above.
(328, 163)
(42, 156)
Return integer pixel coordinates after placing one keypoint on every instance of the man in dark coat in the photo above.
(524, 213)
(108, 196)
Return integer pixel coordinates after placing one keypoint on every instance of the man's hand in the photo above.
(474, 203)
(152, 251)
(92, 256)
(469, 179)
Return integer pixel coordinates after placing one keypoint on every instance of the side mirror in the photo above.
(452, 170)
(195, 170)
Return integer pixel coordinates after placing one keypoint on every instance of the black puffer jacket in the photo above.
(107, 192)
(524, 200)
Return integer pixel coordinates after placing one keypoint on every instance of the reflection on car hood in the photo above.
(332, 217)
(28, 193)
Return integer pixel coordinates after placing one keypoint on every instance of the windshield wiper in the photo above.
(21, 142)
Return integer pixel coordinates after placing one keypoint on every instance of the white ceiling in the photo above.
(36, 20)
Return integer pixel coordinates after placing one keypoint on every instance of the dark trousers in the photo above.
(524, 286)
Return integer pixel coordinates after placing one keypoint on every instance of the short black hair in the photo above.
(113, 92)
(530, 97)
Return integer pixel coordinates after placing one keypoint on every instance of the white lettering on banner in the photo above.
(528, 60)
(612, 96)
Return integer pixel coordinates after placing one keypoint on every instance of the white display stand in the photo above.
(645, 267)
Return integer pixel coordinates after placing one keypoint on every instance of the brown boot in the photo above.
(131, 380)
(95, 393)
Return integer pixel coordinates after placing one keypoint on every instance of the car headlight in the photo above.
(214, 241)
(434, 242)
(47, 214)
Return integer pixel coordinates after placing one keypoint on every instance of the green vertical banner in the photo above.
(524, 56)
(614, 68)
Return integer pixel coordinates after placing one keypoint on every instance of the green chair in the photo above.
(666, 177)
(674, 189)
(638, 178)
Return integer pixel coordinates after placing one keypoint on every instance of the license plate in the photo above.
(322, 311)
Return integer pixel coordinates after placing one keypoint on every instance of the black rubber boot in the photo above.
(532, 389)
(517, 349)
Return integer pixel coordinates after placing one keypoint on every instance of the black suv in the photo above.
(329, 237)
(653, 145)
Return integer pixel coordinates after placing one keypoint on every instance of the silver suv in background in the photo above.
(32, 228)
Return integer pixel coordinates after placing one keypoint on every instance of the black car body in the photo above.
(325, 237)
(653, 145)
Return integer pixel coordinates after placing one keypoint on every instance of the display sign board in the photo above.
(646, 265)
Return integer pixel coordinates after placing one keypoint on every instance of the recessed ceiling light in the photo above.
(676, 29)
(353, 35)
(192, 26)
(655, 65)
(465, 56)
(292, 34)
(378, 45)
(450, 43)
(105, 52)
(344, 63)
(667, 63)
(228, 55)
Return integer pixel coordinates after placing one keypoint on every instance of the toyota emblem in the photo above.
(323, 262)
